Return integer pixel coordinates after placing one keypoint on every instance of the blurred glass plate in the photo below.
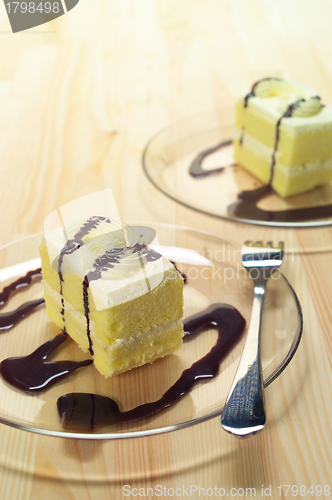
(214, 273)
(169, 154)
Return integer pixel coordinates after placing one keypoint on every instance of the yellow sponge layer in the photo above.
(132, 352)
(115, 356)
(286, 182)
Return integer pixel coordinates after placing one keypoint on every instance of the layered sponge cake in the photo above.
(283, 136)
(115, 296)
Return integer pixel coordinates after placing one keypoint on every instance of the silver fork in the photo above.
(244, 412)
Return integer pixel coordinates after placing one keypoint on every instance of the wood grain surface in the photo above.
(80, 97)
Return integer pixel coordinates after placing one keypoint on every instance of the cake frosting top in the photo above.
(274, 96)
(113, 257)
(287, 93)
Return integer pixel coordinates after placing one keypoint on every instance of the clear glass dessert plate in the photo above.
(214, 273)
(169, 154)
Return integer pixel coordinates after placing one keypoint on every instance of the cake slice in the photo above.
(115, 296)
(283, 136)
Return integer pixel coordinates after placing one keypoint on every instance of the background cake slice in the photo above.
(283, 136)
(112, 294)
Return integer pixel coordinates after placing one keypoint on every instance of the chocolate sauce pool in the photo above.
(80, 411)
(246, 205)
(32, 373)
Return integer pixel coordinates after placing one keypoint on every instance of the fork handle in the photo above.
(244, 412)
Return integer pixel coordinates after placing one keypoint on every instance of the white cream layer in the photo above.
(80, 319)
(260, 149)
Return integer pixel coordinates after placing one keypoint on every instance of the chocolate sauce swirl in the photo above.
(9, 319)
(18, 284)
(32, 373)
(196, 168)
(83, 411)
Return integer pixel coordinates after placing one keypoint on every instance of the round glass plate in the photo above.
(169, 154)
(214, 273)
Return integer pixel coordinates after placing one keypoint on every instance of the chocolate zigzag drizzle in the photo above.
(246, 205)
(70, 247)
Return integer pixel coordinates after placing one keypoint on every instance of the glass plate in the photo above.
(214, 274)
(169, 154)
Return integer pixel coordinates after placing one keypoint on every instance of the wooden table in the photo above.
(79, 98)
